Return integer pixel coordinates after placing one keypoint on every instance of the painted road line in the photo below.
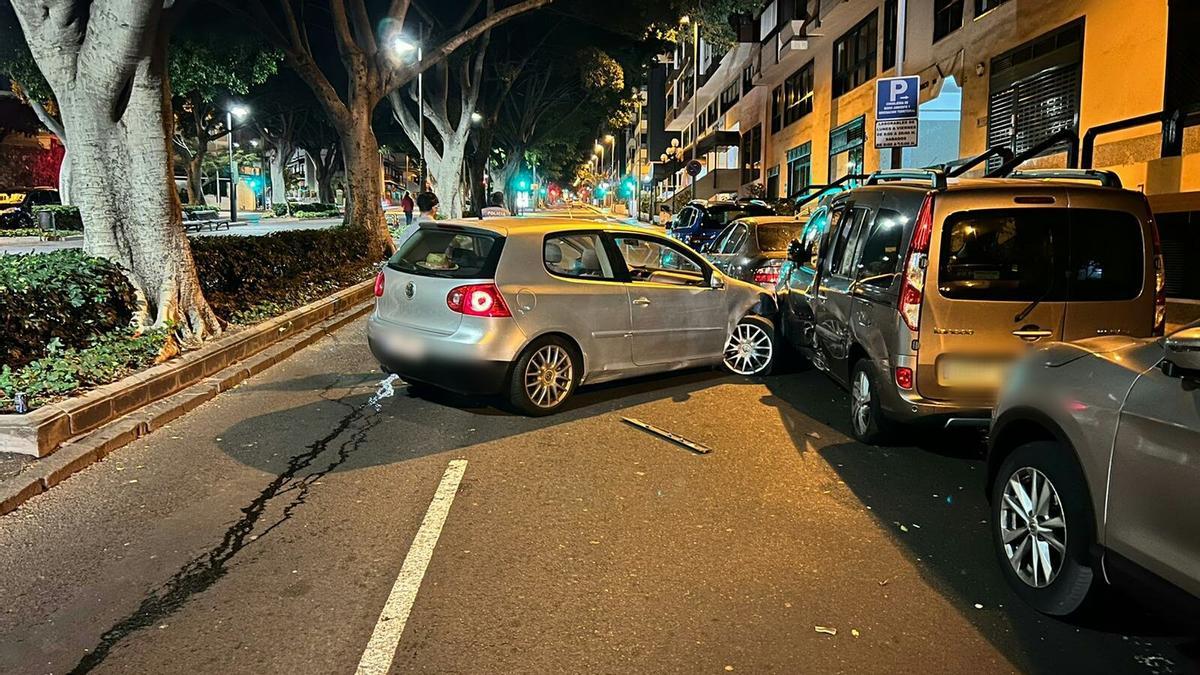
(381, 649)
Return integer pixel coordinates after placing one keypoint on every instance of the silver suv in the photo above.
(533, 308)
(1094, 469)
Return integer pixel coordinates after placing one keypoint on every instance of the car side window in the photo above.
(658, 261)
(841, 222)
(580, 256)
(718, 244)
(850, 235)
(737, 235)
(879, 261)
(814, 234)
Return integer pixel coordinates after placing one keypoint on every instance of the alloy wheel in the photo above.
(1033, 527)
(860, 399)
(748, 350)
(549, 376)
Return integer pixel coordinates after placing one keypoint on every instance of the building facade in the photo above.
(791, 104)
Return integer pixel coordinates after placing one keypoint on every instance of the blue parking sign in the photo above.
(896, 101)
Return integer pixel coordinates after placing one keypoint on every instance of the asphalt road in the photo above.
(265, 531)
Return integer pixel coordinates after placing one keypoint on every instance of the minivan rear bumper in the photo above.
(909, 407)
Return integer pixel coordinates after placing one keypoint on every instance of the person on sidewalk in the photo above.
(407, 204)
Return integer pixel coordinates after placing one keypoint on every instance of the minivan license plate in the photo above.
(972, 373)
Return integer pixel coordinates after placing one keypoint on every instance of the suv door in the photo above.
(834, 300)
(796, 305)
(677, 316)
(1111, 275)
(1155, 478)
(995, 286)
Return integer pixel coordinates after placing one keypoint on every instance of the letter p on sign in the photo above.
(896, 87)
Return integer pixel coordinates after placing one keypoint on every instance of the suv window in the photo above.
(1003, 254)
(1107, 255)
(849, 233)
(451, 254)
(880, 258)
(652, 259)
(580, 256)
(814, 234)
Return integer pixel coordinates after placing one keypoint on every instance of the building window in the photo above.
(772, 191)
(729, 97)
(777, 109)
(947, 17)
(982, 6)
(854, 55)
(798, 94)
(799, 169)
(769, 19)
(890, 10)
(751, 155)
(712, 114)
(846, 148)
(747, 79)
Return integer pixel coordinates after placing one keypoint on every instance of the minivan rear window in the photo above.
(449, 253)
(1024, 255)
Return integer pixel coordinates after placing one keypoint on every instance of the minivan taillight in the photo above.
(915, 262)
(478, 300)
(379, 284)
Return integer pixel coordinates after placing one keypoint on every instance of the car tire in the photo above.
(1071, 577)
(544, 377)
(752, 348)
(868, 422)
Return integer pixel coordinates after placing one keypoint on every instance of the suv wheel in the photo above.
(544, 376)
(867, 419)
(751, 348)
(1042, 527)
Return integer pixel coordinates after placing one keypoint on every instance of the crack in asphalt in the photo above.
(204, 570)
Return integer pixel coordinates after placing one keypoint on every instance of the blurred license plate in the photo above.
(406, 346)
(977, 374)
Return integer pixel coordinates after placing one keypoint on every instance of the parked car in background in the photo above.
(16, 205)
(1094, 469)
(920, 293)
(532, 308)
(754, 248)
(699, 222)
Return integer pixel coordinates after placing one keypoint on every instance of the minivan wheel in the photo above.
(751, 348)
(544, 376)
(868, 421)
(1042, 527)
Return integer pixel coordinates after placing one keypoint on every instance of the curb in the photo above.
(103, 440)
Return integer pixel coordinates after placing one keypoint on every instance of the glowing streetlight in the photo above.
(403, 47)
(476, 117)
(239, 111)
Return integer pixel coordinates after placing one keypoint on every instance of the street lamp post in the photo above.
(401, 47)
(239, 111)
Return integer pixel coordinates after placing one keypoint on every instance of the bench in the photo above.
(195, 221)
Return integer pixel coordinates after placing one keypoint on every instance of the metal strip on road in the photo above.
(381, 649)
(673, 437)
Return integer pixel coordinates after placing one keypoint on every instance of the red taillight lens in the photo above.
(904, 378)
(768, 275)
(912, 292)
(379, 285)
(478, 300)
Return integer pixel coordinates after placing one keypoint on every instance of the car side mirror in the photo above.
(715, 281)
(1182, 353)
(798, 253)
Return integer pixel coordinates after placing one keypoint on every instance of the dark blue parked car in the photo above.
(701, 221)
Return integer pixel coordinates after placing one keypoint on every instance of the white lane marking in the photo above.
(381, 649)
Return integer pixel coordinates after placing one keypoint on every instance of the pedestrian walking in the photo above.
(407, 204)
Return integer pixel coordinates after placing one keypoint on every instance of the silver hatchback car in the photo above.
(533, 308)
(1094, 469)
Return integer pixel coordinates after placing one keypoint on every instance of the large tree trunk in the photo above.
(112, 92)
(508, 174)
(364, 203)
(279, 160)
(325, 170)
(195, 177)
(447, 176)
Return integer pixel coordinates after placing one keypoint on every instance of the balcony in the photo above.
(718, 181)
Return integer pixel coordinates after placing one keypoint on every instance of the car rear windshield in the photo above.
(777, 237)
(1047, 254)
(449, 253)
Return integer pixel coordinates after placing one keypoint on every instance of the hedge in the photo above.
(60, 295)
(308, 207)
(247, 278)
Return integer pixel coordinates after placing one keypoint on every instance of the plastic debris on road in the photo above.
(854, 632)
(826, 630)
(385, 390)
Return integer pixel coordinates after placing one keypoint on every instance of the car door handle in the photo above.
(644, 302)
(1032, 334)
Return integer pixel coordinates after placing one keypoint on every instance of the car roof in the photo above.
(512, 226)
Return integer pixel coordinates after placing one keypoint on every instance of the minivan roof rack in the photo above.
(936, 177)
(823, 188)
(1105, 178)
(1067, 136)
(960, 166)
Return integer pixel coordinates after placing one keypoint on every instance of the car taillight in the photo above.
(768, 275)
(379, 285)
(478, 300)
(912, 292)
(1160, 280)
(904, 378)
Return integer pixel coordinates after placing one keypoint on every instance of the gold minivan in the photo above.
(916, 293)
